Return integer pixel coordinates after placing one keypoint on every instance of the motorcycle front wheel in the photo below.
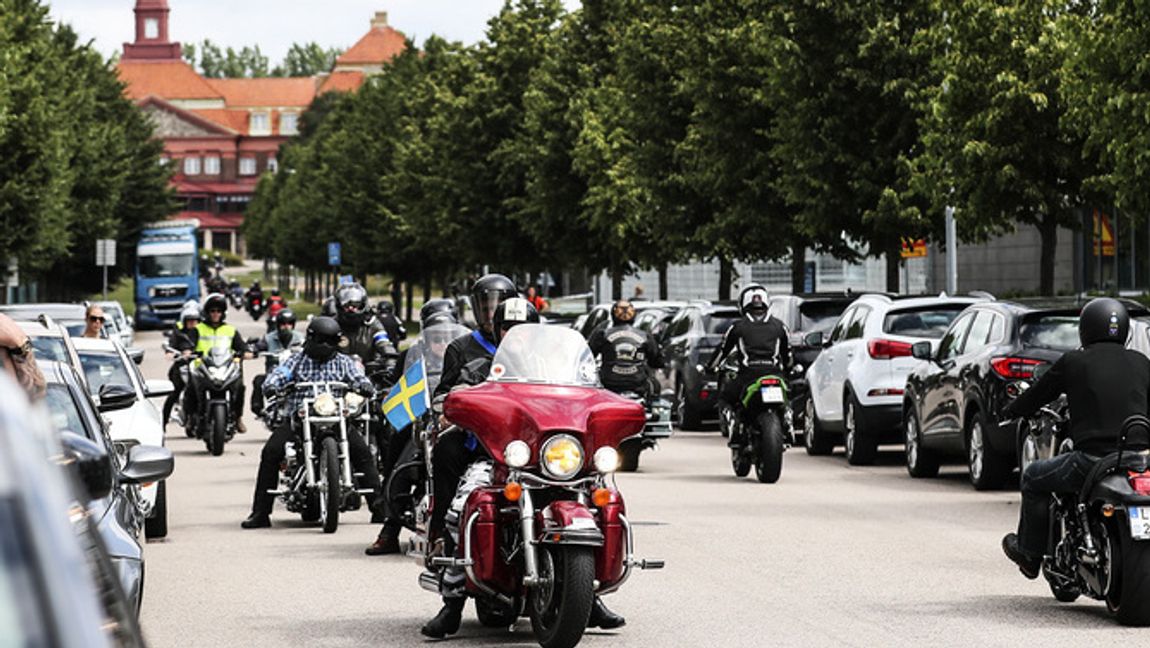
(769, 462)
(329, 485)
(219, 429)
(561, 605)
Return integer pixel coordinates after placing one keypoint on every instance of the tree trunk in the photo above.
(426, 288)
(799, 267)
(893, 259)
(1048, 229)
(663, 291)
(410, 300)
(726, 276)
(396, 294)
(616, 285)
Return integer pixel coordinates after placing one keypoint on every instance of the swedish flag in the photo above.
(408, 399)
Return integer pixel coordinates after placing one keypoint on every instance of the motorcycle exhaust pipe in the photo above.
(429, 581)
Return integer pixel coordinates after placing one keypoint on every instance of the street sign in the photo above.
(1103, 235)
(333, 254)
(105, 252)
(913, 248)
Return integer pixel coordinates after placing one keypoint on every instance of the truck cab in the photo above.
(167, 271)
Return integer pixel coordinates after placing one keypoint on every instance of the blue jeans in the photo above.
(1064, 473)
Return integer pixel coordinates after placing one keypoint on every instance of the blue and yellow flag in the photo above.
(408, 399)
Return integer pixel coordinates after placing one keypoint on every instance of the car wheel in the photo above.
(988, 469)
(860, 449)
(920, 461)
(689, 417)
(814, 437)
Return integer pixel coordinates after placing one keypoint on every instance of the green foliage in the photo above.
(302, 60)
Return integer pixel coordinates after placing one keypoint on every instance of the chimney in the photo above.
(380, 20)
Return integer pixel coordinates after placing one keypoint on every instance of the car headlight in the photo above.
(324, 404)
(562, 456)
(606, 459)
(517, 454)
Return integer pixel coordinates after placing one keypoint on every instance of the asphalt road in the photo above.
(831, 555)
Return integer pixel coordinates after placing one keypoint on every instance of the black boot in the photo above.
(601, 617)
(447, 620)
(257, 521)
(386, 543)
(1027, 564)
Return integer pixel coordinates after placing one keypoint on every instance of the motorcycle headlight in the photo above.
(353, 401)
(517, 454)
(606, 459)
(562, 456)
(218, 374)
(324, 404)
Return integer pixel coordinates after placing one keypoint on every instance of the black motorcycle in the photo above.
(1100, 536)
(212, 378)
(236, 295)
(254, 304)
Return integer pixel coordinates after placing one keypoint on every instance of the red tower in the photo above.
(152, 33)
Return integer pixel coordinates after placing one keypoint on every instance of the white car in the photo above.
(123, 322)
(105, 363)
(858, 380)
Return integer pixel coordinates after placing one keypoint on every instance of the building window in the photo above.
(192, 166)
(289, 123)
(212, 165)
(260, 124)
(247, 166)
(151, 28)
(273, 166)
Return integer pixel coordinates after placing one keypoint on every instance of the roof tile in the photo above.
(379, 45)
(168, 79)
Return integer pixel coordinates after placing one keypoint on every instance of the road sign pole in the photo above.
(951, 253)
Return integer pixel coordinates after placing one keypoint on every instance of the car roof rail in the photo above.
(46, 321)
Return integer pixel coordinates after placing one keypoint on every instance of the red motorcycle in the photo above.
(545, 529)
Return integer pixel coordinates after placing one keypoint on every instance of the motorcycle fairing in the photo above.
(571, 523)
(499, 412)
(753, 388)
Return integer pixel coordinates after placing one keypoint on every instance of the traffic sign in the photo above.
(1103, 235)
(105, 252)
(913, 248)
(333, 254)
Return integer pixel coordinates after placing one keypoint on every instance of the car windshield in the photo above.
(103, 369)
(820, 315)
(718, 323)
(1058, 332)
(167, 265)
(430, 347)
(536, 353)
(63, 412)
(51, 348)
(929, 322)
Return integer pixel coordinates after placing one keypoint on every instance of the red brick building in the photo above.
(222, 134)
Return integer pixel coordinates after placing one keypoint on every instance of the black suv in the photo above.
(689, 340)
(954, 400)
(804, 314)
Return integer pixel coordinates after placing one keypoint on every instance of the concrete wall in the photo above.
(1007, 264)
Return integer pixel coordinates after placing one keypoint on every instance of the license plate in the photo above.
(1139, 522)
(772, 394)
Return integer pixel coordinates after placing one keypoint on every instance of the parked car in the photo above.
(600, 315)
(656, 319)
(858, 381)
(105, 362)
(689, 340)
(953, 402)
(50, 341)
(804, 314)
(57, 585)
(123, 322)
(70, 316)
(116, 513)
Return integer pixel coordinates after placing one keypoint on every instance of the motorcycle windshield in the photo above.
(430, 347)
(548, 355)
(218, 356)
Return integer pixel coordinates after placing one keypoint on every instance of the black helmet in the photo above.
(286, 316)
(275, 292)
(256, 283)
(622, 312)
(754, 302)
(438, 311)
(385, 307)
(1103, 320)
(351, 305)
(216, 301)
(487, 293)
(322, 340)
(511, 312)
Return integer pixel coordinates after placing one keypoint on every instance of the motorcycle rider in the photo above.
(276, 304)
(213, 331)
(626, 352)
(435, 311)
(253, 293)
(385, 313)
(183, 342)
(320, 361)
(1105, 383)
(283, 338)
(762, 342)
(363, 335)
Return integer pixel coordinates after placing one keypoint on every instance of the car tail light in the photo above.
(1015, 368)
(1140, 482)
(885, 392)
(704, 393)
(887, 349)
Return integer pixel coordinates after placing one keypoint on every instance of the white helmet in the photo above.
(755, 303)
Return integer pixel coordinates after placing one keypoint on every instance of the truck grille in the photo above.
(169, 291)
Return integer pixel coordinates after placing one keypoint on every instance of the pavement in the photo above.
(831, 555)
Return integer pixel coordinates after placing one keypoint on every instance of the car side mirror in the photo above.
(136, 354)
(92, 464)
(131, 321)
(158, 387)
(814, 339)
(114, 397)
(922, 351)
(146, 463)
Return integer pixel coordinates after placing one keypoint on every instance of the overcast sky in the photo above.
(275, 24)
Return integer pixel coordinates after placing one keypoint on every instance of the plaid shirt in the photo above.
(302, 368)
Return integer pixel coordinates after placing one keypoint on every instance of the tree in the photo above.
(308, 59)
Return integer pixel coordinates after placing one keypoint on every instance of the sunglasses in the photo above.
(93, 318)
